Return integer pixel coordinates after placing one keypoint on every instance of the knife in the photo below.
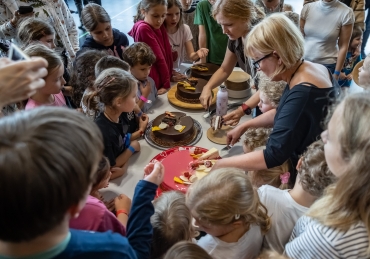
(225, 151)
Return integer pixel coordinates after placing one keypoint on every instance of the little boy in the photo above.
(285, 207)
(140, 57)
(38, 203)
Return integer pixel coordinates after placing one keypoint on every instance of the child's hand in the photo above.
(110, 204)
(122, 202)
(342, 76)
(349, 77)
(145, 91)
(202, 53)
(143, 122)
(154, 173)
(162, 91)
(135, 144)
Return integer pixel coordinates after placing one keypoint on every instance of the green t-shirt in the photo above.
(216, 40)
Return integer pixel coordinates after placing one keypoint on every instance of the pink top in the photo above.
(96, 217)
(59, 100)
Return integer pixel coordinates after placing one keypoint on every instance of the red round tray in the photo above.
(176, 161)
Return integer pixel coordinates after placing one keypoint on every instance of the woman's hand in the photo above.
(342, 76)
(202, 53)
(233, 136)
(20, 80)
(233, 117)
(206, 98)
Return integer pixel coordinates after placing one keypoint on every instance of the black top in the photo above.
(115, 139)
(130, 123)
(237, 47)
(298, 122)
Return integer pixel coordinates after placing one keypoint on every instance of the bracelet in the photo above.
(139, 114)
(145, 100)
(336, 72)
(121, 212)
(141, 133)
(131, 149)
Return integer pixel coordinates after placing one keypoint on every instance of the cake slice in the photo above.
(216, 122)
(212, 153)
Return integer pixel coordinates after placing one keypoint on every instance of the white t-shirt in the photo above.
(178, 40)
(310, 239)
(284, 213)
(323, 22)
(247, 247)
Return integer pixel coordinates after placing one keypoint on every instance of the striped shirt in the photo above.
(311, 239)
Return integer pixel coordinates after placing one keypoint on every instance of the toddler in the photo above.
(116, 89)
(285, 207)
(61, 169)
(210, 33)
(95, 216)
(172, 222)
(186, 250)
(50, 94)
(151, 31)
(180, 36)
(337, 224)
(141, 58)
(225, 205)
(102, 36)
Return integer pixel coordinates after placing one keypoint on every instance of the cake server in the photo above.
(225, 151)
(208, 112)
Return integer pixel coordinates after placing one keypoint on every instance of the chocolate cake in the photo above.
(169, 136)
(188, 94)
(201, 72)
(216, 122)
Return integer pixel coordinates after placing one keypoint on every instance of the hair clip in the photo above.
(109, 81)
(237, 216)
(284, 178)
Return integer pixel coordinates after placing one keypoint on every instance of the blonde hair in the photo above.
(271, 176)
(33, 29)
(276, 33)
(346, 202)
(241, 10)
(272, 89)
(271, 255)
(110, 84)
(314, 173)
(171, 221)
(287, 7)
(225, 196)
(256, 137)
(187, 250)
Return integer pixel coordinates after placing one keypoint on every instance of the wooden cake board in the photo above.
(219, 136)
(195, 106)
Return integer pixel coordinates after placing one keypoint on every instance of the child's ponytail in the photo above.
(92, 101)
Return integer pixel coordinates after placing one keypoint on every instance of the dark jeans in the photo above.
(331, 67)
(80, 3)
(365, 37)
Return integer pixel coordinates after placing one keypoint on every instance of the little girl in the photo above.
(186, 250)
(35, 30)
(180, 36)
(345, 77)
(225, 205)
(149, 28)
(364, 74)
(102, 36)
(51, 93)
(116, 89)
(96, 216)
(337, 225)
(285, 207)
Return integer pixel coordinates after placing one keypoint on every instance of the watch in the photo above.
(246, 109)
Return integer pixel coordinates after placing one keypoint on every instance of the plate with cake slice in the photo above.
(173, 129)
(184, 166)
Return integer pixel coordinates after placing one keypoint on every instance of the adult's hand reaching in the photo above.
(233, 117)
(20, 80)
(233, 136)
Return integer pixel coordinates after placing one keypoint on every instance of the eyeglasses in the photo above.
(256, 64)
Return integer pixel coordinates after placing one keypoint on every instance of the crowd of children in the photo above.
(54, 161)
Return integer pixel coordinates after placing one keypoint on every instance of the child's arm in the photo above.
(200, 54)
(143, 123)
(139, 229)
(145, 91)
(123, 205)
(202, 41)
(121, 161)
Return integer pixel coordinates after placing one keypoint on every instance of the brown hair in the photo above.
(294, 17)
(43, 172)
(146, 5)
(187, 250)
(356, 32)
(314, 173)
(110, 84)
(221, 196)
(170, 4)
(241, 10)
(346, 202)
(110, 62)
(256, 137)
(33, 29)
(171, 221)
(39, 50)
(92, 15)
(139, 53)
(83, 75)
(272, 89)
(102, 172)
